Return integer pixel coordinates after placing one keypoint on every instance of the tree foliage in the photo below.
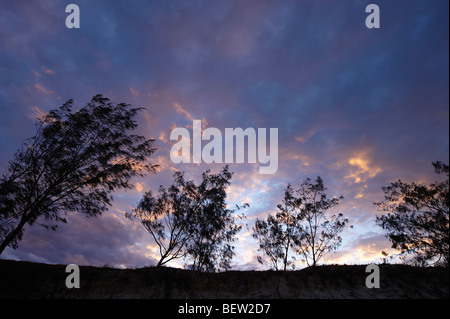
(319, 233)
(192, 221)
(73, 163)
(167, 217)
(300, 227)
(417, 219)
(277, 234)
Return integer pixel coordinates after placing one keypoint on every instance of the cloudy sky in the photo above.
(360, 107)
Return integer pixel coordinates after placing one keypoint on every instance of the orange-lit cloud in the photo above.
(364, 168)
(134, 92)
(181, 110)
(139, 187)
(47, 70)
(305, 137)
(361, 192)
(164, 163)
(37, 74)
(36, 113)
(42, 89)
(162, 137)
(359, 167)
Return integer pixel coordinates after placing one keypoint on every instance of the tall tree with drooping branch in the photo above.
(74, 162)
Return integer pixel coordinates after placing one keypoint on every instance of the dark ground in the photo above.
(34, 280)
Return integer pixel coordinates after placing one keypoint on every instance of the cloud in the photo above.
(139, 187)
(36, 74)
(356, 107)
(181, 110)
(48, 71)
(42, 89)
(36, 113)
(109, 239)
(366, 249)
(363, 168)
(359, 165)
(134, 92)
(305, 137)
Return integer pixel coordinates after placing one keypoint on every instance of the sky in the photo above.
(359, 107)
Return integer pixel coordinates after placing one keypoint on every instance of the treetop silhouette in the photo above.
(74, 162)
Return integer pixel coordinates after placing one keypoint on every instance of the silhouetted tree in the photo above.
(277, 234)
(417, 218)
(301, 226)
(169, 218)
(214, 227)
(73, 163)
(192, 221)
(319, 233)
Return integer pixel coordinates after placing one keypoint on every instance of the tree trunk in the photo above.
(286, 256)
(13, 234)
